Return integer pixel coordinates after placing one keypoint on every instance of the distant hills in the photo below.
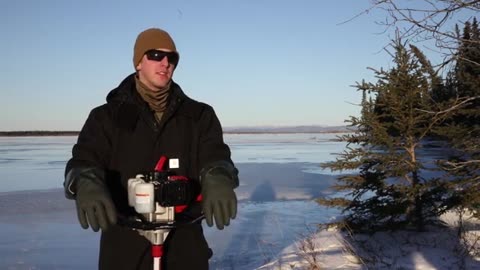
(238, 130)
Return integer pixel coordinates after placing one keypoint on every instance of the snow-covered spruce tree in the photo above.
(388, 188)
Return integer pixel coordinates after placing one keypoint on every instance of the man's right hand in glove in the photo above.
(94, 204)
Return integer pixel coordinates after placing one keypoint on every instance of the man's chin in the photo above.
(161, 84)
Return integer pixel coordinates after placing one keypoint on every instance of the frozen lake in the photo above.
(33, 163)
(279, 175)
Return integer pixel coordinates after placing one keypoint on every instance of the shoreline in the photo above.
(75, 133)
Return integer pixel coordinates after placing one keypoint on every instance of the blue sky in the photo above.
(257, 62)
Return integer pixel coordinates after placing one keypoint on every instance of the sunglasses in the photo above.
(157, 55)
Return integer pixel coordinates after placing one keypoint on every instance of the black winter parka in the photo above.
(123, 139)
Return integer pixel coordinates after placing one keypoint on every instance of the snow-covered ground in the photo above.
(279, 178)
(437, 248)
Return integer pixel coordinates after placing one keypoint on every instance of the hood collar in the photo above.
(126, 92)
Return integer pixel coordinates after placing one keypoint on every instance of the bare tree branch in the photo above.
(428, 19)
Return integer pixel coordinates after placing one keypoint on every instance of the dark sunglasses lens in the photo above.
(155, 55)
(172, 58)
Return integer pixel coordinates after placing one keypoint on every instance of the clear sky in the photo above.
(257, 62)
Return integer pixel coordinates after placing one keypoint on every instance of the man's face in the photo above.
(156, 70)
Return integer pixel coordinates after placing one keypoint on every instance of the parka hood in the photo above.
(123, 90)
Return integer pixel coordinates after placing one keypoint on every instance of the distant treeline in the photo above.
(37, 133)
(227, 131)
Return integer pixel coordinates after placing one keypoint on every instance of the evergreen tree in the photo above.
(386, 188)
(463, 130)
(450, 90)
(467, 73)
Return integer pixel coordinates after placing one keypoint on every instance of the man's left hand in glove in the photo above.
(218, 198)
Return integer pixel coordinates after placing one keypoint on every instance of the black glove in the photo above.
(219, 200)
(94, 204)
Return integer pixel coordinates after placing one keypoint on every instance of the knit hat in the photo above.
(149, 39)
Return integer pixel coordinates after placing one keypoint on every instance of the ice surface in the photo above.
(32, 163)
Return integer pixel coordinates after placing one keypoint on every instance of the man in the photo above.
(148, 116)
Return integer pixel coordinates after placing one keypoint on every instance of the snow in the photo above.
(439, 247)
